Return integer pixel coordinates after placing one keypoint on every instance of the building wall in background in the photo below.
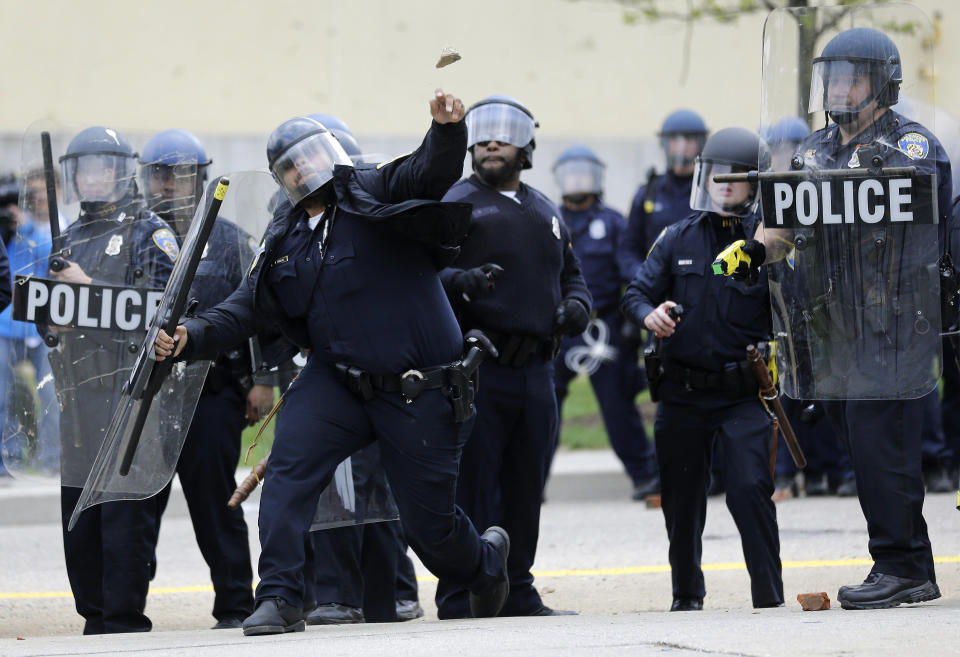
(230, 72)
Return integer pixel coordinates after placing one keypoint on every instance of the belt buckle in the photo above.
(411, 383)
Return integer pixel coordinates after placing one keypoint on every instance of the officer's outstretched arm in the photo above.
(431, 170)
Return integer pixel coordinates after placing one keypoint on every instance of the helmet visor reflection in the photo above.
(841, 84)
(97, 177)
(308, 165)
(579, 177)
(739, 198)
(498, 122)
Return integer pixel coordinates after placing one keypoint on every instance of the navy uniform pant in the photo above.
(207, 470)
(322, 423)
(950, 404)
(503, 473)
(885, 448)
(407, 588)
(686, 426)
(933, 440)
(110, 560)
(825, 451)
(615, 385)
(357, 566)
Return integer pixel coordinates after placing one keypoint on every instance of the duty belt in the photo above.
(517, 350)
(736, 379)
(411, 383)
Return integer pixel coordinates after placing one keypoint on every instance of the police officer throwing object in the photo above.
(539, 297)
(872, 347)
(595, 230)
(110, 551)
(348, 269)
(706, 387)
(174, 167)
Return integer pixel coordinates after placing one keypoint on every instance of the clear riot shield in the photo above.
(151, 418)
(853, 214)
(89, 264)
(358, 494)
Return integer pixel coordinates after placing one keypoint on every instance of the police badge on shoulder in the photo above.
(556, 227)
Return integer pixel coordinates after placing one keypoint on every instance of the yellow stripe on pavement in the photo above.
(591, 572)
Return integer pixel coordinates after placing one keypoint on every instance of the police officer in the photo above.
(539, 297)
(358, 571)
(828, 461)
(110, 551)
(706, 388)
(348, 269)
(855, 81)
(665, 198)
(174, 167)
(595, 229)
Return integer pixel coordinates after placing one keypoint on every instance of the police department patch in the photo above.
(914, 145)
(167, 242)
(598, 229)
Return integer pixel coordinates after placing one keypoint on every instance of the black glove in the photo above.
(571, 318)
(475, 283)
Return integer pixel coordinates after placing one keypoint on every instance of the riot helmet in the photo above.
(301, 155)
(98, 167)
(783, 139)
(502, 119)
(682, 136)
(731, 150)
(578, 171)
(173, 171)
(343, 134)
(851, 61)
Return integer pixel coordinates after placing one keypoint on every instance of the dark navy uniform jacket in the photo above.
(532, 244)
(374, 300)
(595, 233)
(904, 143)
(667, 203)
(126, 245)
(721, 316)
(221, 268)
(132, 247)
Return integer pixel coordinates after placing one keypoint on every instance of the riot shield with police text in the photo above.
(851, 218)
(89, 265)
(156, 404)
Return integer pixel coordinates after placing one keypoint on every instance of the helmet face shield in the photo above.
(499, 122)
(738, 199)
(307, 165)
(172, 190)
(681, 149)
(838, 85)
(97, 177)
(576, 177)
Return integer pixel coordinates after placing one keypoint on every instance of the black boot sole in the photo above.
(923, 593)
(261, 630)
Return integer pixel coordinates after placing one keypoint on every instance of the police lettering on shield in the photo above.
(791, 201)
(74, 305)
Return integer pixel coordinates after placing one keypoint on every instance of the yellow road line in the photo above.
(592, 572)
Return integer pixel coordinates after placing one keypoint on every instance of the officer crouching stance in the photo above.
(706, 387)
(348, 270)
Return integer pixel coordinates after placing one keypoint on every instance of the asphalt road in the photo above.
(600, 554)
